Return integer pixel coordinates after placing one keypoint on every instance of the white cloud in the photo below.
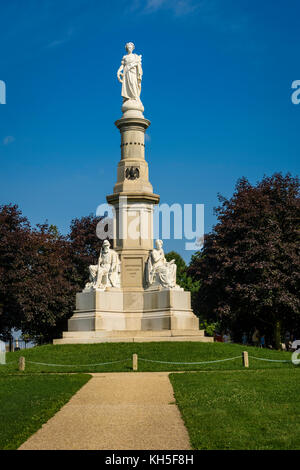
(9, 139)
(211, 13)
(178, 7)
(63, 40)
(155, 4)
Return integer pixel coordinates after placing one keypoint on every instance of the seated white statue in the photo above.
(107, 272)
(159, 271)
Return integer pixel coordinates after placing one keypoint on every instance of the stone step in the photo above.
(131, 333)
(132, 339)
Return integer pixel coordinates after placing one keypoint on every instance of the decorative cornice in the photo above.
(130, 123)
(133, 197)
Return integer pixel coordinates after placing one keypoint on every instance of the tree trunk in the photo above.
(277, 334)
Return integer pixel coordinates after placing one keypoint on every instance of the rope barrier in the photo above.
(150, 360)
(268, 360)
(77, 365)
(191, 363)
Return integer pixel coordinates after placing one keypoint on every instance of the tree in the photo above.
(36, 287)
(41, 271)
(183, 279)
(48, 291)
(181, 266)
(62, 263)
(249, 266)
(84, 247)
(15, 252)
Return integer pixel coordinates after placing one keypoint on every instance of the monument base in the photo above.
(88, 337)
(117, 315)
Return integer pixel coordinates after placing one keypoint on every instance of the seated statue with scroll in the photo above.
(107, 272)
(159, 271)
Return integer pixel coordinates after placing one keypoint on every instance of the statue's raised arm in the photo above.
(130, 75)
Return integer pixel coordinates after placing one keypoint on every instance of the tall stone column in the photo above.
(119, 301)
(133, 201)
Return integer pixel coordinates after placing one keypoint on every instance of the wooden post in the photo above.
(22, 363)
(245, 359)
(135, 362)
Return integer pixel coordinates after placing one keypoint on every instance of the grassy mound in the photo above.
(83, 357)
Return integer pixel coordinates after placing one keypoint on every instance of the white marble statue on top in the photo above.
(130, 75)
(107, 272)
(159, 271)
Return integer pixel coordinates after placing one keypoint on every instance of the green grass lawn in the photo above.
(78, 357)
(224, 406)
(247, 409)
(29, 401)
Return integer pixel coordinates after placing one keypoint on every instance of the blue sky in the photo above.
(216, 88)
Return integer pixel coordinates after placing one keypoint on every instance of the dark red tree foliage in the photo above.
(41, 271)
(15, 253)
(250, 267)
(84, 247)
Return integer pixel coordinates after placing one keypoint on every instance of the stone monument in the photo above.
(131, 294)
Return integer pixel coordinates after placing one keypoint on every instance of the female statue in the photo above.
(130, 74)
(159, 271)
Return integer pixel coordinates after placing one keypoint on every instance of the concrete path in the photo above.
(116, 411)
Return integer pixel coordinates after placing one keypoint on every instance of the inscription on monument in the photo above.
(133, 272)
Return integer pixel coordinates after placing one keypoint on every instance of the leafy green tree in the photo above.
(182, 277)
(181, 266)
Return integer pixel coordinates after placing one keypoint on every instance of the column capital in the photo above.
(124, 124)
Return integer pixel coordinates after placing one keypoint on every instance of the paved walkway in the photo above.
(116, 411)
